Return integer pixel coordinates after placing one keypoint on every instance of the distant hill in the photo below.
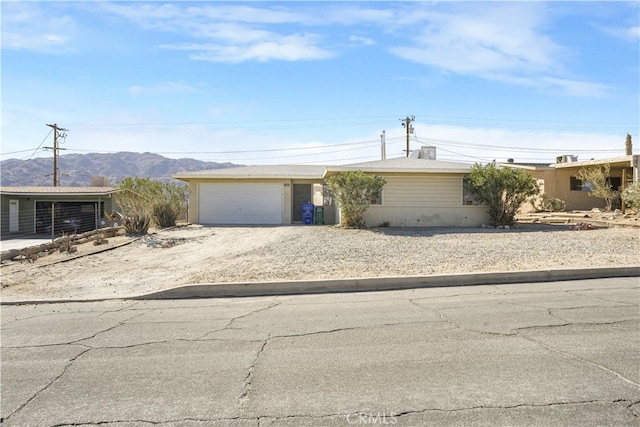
(76, 170)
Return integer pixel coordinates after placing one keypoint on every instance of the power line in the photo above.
(503, 147)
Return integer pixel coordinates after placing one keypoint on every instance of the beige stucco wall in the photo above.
(449, 216)
(433, 200)
(557, 184)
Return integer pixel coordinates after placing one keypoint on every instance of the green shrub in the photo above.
(631, 196)
(555, 205)
(353, 192)
(502, 189)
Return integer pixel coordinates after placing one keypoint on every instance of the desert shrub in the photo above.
(502, 189)
(631, 196)
(145, 201)
(555, 205)
(169, 205)
(353, 192)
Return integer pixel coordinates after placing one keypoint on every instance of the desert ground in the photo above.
(165, 258)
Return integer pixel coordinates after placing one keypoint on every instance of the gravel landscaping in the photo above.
(196, 254)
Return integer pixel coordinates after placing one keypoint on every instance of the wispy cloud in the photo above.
(480, 40)
(508, 42)
(284, 48)
(162, 88)
(26, 27)
(496, 41)
(229, 33)
(631, 33)
(361, 41)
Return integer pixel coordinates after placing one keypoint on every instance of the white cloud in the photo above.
(162, 88)
(284, 48)
(495, 41)
(501, 37)
(228, 33)
(26, 27)
(631, 34)
(549, 84)
(361, 41)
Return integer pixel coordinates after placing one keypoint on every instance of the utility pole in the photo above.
(383, 145)
(58, 132)
(406, 123)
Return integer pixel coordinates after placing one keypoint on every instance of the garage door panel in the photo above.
(240, 203)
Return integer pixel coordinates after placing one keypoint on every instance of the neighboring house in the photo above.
(33, 210)
(419, 193)
(559, 180)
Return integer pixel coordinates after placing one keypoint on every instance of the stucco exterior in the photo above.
(425, 200)
(418, 193)
(555, 179)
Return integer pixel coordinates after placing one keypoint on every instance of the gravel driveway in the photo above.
(197, 254)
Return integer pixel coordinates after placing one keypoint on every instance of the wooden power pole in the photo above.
(406, 122)
(57, 133)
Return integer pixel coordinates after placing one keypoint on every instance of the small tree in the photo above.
(353, 192)
(503, 190)
(145, 201)
(597, 178)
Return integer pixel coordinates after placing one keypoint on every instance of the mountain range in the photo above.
(77, 170)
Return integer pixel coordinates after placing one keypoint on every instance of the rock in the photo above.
(506, 227)
(617, 211)
(596, 210)
(483, 226)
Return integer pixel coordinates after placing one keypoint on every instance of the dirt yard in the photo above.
(195, 254)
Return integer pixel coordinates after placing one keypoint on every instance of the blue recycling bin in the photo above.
(307, 213)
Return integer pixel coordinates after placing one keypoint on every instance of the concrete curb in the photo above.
(250, 289)
(239, 289)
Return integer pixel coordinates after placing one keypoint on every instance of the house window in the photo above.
(576, 184)
(377, 199)
(467, 196)
(327, 197)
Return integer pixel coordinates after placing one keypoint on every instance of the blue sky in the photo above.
(317, 82)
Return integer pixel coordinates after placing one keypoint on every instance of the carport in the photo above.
(53, 210)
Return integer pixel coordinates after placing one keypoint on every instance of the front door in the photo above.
(301, 194)
(14, 215)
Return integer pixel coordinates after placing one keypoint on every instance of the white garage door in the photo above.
(240, 203)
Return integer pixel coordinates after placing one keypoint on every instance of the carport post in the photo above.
(53, 219)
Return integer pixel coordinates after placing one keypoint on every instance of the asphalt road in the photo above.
(563, 353)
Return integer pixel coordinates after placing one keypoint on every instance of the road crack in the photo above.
(243, 400)
(48, 385)
(581, 359)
